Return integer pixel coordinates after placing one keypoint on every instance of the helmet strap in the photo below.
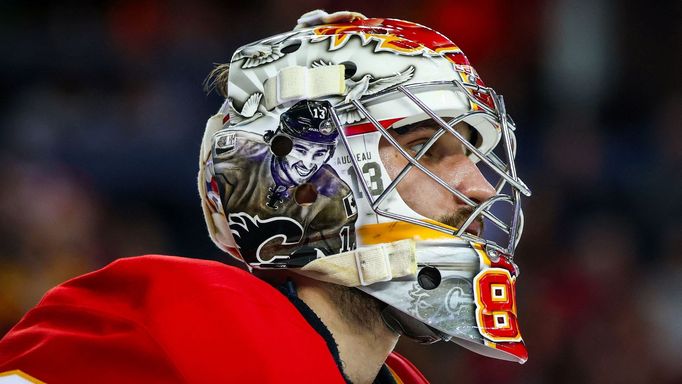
(365, 266)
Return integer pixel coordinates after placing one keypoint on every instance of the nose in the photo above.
(308, 159)
(465, 176)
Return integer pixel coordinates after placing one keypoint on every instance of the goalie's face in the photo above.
(447, 158)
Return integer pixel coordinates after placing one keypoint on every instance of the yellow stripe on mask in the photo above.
(389, 232)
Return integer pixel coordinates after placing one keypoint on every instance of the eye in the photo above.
(417, 147)
(300, 149)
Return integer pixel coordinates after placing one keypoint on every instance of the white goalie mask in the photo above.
(369, 153)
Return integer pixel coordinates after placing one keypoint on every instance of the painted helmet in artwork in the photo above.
(368, 152)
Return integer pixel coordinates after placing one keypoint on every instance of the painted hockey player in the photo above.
(293, 200)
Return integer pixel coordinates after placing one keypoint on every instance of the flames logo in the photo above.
(404, 38)
(258, 238)
(391, 36)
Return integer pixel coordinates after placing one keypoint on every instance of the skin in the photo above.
(354, 321)
(304, 160)
(354, 318)
(447, 158)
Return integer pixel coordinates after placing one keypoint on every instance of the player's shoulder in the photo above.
(153, 279)
(170, 318)
(164, 267)
(237, 144)
(329, 183)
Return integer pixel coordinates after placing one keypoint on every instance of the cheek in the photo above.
(424, 195)
(296, 156)
(421, 193)
(393, 161)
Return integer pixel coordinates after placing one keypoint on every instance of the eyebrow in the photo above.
(430, 125)
(415, 127)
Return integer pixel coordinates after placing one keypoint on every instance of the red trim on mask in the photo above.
(360, 129)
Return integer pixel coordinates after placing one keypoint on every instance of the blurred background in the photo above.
(103, 112)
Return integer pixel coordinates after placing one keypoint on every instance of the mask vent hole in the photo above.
(281, 145)
(429, 278)
(305, 194)
(291, 47)
(350, 69)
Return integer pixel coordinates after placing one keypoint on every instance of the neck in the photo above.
(364, 341)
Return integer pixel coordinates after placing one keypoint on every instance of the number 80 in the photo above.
(495, 293)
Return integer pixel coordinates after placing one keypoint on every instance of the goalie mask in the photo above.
(369, 153)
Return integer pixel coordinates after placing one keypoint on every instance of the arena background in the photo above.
(102, 112)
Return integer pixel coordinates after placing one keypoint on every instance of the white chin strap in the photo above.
(365, 266)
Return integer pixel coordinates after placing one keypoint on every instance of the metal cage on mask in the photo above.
(506, 170)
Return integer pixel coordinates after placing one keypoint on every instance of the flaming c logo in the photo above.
(257, 238)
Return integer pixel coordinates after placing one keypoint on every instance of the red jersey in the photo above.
(164, 319)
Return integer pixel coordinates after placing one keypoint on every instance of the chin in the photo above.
(300, 179)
